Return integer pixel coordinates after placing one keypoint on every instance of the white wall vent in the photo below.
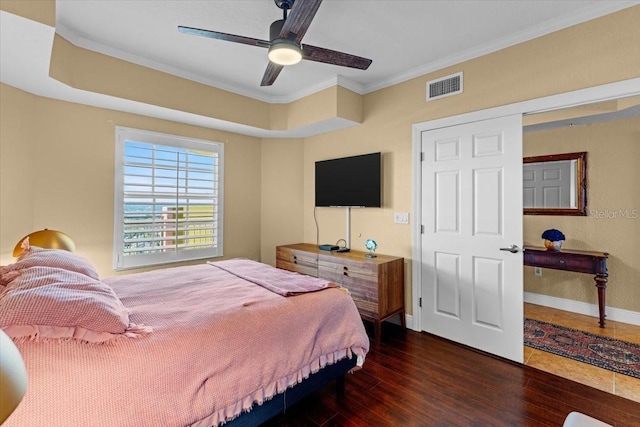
(444, 86)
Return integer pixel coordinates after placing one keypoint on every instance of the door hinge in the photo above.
(422, 156)
(420, 302)
(421, 229)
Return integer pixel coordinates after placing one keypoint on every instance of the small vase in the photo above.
(553, 245)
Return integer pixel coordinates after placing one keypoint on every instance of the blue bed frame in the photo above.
(280, 402)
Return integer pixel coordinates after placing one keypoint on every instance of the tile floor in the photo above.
(611, 382)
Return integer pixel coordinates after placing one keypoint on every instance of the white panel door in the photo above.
(471, 290)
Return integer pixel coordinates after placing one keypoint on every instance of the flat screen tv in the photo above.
(350, 181)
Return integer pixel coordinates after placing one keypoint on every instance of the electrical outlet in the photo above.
(401, 217)
(537, 271)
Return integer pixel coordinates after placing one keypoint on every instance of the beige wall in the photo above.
(594, 53)
(282, 195)
(96, 72)
(612, 223)
(17, 133)
(325, 105)
(58, 170)
(43, 11)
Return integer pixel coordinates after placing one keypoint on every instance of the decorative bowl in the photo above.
(553, 239)
(553, 245)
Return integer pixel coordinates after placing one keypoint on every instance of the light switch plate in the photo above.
(401, 217)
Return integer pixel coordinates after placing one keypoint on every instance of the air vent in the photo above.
(445, 86)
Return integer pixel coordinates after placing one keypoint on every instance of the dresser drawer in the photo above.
(298, 268)
(362, 287)
(348, 266)
(298, 261)
(296, 256)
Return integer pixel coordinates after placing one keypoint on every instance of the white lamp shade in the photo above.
(285, 53)
(13, 377)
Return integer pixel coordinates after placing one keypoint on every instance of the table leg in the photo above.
(601, 284)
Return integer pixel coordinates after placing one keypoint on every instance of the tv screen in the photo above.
(350, 181)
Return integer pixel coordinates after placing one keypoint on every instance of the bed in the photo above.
(229, 342)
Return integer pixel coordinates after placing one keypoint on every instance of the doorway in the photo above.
(608, 133)
(580, 97)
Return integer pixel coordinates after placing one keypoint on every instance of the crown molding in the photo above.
(557, 24)
(84, 43)
(596, 11)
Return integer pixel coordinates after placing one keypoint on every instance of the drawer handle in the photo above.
(345, 268)
(346, 273)
(295, 257)
(561, 261)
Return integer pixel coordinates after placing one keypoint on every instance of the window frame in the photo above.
(122, 262)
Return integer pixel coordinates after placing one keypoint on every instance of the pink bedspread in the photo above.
(281, 282)
(218, 344)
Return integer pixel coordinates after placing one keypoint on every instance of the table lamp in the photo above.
(48, 239)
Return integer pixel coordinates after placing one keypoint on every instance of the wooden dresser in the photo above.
(376, 284)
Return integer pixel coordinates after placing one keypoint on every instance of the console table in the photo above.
(579, 261)
(376, 284)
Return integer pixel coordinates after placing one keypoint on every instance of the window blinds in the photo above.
(170, 199)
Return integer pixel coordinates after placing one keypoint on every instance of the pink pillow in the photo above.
(49, 302)
(33, 256)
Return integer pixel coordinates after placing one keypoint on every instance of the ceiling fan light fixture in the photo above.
(285, 52)
(285, 41)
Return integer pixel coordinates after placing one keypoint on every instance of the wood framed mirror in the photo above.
(555, 184)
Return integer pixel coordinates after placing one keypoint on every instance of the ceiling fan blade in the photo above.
(299, 19)
(320, 54)
(270, 74)
(224, 36)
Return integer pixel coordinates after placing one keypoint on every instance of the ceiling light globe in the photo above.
(285, 53)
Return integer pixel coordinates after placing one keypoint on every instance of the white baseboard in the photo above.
(617, 314)
(409, 319)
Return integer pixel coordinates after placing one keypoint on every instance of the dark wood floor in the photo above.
(416, 379)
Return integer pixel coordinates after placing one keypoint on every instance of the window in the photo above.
(168, 199)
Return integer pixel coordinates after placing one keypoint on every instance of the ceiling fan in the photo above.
(285, 47)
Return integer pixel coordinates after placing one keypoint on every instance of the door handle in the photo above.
(513, 249)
